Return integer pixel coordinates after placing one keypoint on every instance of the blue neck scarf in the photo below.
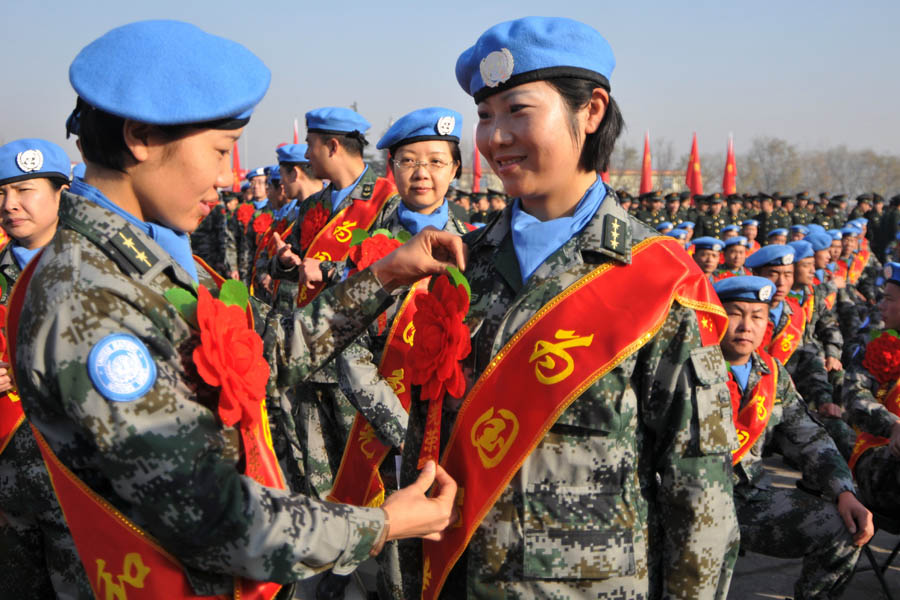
(22, 254)
(534, 240)
(775, 313)
(287, 208)
(820, 275)
(742, 373)
(261, 204)
(415, 222)
(337, 196)
(178, 245)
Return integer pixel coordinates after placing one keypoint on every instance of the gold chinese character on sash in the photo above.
(786, 342)
(13, 397)
(761, 411)
(492, 435)
(549, 352)
(344, 231)
(322, 255)
(409, 333)
(742, 436)
(134, 571)
(396, 381)
(367, 437)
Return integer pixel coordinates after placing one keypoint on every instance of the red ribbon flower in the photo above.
(441, 340)
(372, 249)
(244, 214)
(313, 221)
(230, 357)
(262, 223)
(882, 358)
(3, 355)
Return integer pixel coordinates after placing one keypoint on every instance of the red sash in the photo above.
(754, 246)
(857, 266)
(121, 559)
(782, 345)
(890, 397)
(333, 241)
(576, 338)
(11, 417)
(829, 298)
(842, 270)
(750, 422)
(358, 481)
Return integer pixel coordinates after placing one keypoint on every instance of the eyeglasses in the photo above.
(408, 164)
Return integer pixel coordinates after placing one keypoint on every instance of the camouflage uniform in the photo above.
(210, 241)
(37, 553)
(158, 458)
(877, 471)
(789, 523)
(629, 494)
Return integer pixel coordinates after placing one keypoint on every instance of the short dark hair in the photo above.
(353, 142)
(598, 146)
(303, 166)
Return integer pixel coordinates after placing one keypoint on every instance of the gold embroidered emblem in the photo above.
(787, 341)
(367, 437)
(344, 231)
(493, 435)
(322, 255)
(396, 381)
(761, 411)
(409, 333)
(546, 351)
(134, 571)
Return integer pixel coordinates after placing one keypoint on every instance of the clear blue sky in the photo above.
(815, 73)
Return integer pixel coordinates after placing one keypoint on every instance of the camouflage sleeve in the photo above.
(809, 375)
(807, 443)
(864, 411)
(370, 393)
(686, 405)
(827, 331)
(167, 458)
(230, 248)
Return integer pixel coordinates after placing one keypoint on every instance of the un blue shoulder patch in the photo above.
(121, 368)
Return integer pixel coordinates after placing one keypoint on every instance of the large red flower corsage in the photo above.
(372, 249)
(4, 356)
(441, 340)
(882, 358)
(262, 223)
(230, 357)
(244, 214)
(313, 221)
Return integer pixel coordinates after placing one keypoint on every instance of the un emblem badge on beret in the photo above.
(30, 160)
(445, 125)
(121, 368)
(765, 293)
(496, 67)
(787, 259)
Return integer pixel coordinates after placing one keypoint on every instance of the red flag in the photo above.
(728, 178)
(296, 133)
(604, 176)
(235, 169)
(476, 169)
(693, 178)
(646, 167)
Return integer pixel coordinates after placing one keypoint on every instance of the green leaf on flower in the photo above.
(458, 279)
(184, 302)
(4, 285)
(384, 232)
(358, 236)
(403, 236)
(234, 293)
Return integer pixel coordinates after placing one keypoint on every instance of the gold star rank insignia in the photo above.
(615, 234)
(131, 253)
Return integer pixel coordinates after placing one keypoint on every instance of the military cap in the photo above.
(292, 153)
(677, 233)
(737, 240)
(803, 196)
(257, 172)
(169, 73)
(685, 195)
(652, 196)
(779, 231)
(775, 255)
(836, 201)
(895, 200)
(749, 223)
(623, 194)
(686, 225)
(79, 170)
(30, 158)
(708, 243)
(728, 228)
(664, 225)
(850, 230)
(866, 197)
(802, 249)
(336, 120)
(673, 197)
(799, 229)
(819, 240)
(892, 272)
(745, 288)
(532, 49)
(716, 198)
(433, 123)
(877, 199)
(734, 199)
(786, 197)
(835, 234)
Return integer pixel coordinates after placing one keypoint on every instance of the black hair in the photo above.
(353, 142)
(598, 146)
(303, 166)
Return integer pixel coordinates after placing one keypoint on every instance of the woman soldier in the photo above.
(35, 547)
(592, 452)
(145, 391)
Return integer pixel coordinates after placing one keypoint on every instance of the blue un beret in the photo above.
(815, 228)
(292, 153)
(749, 222)
(257, 172)
(850, 230)
(707, 243)
(30, 158)
(685, 225)
(860, 222)
(169, 73)
(664, 225)
(433, 123)
(799, 229)
(737, 240)
(678, 234)
(802, 249)
(819, 240)
(335, 120)
(728, 228)
(272, 173)
(533, 49)
(892, 272)
(745, 288)
(780, 231)
(835, 234)
(775, 255)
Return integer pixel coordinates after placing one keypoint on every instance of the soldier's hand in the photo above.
(428, 253)
(284, 253)
(840, 283)
(265, 282)
(833, 364)
(857, 518)
(309, 273)
(830, 409)
(413, 514)
(894, 443)
(5, 379)
(234, 275)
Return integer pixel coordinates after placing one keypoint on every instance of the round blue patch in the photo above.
(121, 368)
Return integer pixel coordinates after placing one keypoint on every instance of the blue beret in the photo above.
(799, 229)
(819, 240)
(850, 230)
(835, 234)
(707, 243)
(335, 120)
(272, 173)
(245, 186)
(892, 272)
(779, 231)
(749, 222)
(737, 240)
(815, 228)
(78, 170)
(775, 255)
(292, 153)
(664, 225)
(860, 221)
(678, 234)
(728, 228)
(433, 123)
(802, 249)
(745, 288)
(686, 225)
(533, 49)
(30, 158)
(257, 172)
(169, 73)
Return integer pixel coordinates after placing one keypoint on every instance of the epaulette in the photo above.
(129, 252)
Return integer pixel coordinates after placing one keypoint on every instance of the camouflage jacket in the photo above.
(805, 365)
(629, 494)
(165, 459)
(794, 432)
(860, 399)
(213, 241)
(822, 330)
